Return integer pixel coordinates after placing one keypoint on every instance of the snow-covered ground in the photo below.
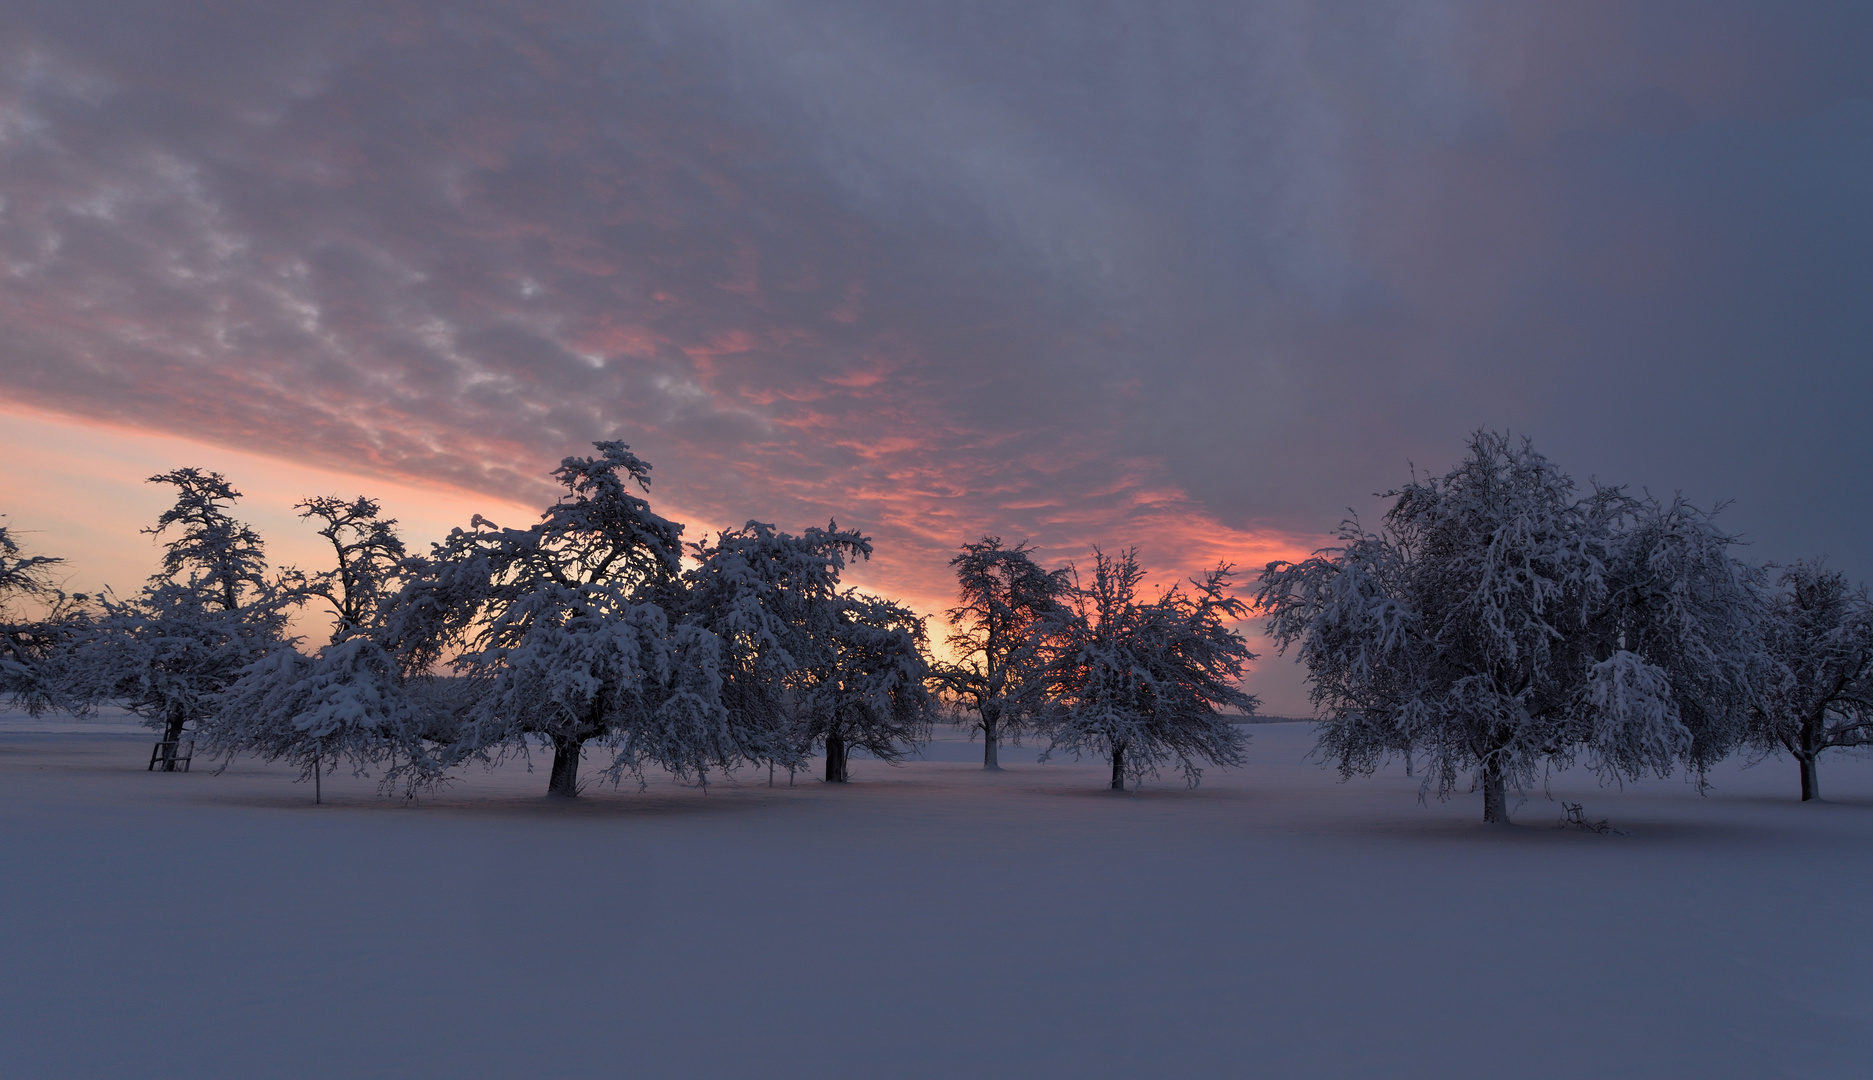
(923, 921)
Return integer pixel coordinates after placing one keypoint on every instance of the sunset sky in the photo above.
(1195, 277)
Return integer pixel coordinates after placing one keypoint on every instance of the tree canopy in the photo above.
(804, 663)
(1005, 598)
(367, 554)
(26, 582)
(569, 629)
(1816, 693)
(168, 652)
(1143, 683)
(1500, 623)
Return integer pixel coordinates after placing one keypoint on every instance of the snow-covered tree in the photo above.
(367, 553)
(870, 694)
(348, 703)
(1681, 600)
(567, 628)
(1144, 683)
(351, 701)
(1498, 625)
(1818, 691)
(30, 608)
(766, 597)
(168, 652)
(801, 662)
(1005, 599)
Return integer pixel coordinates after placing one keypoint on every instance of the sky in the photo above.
(1198, 278)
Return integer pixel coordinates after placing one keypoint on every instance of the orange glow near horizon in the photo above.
(77, 489)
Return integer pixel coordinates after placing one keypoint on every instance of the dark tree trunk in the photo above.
(1807, 756)
(1118, 767)
(1495, 795)
(565, 776)
(991, 743)
(835, 758)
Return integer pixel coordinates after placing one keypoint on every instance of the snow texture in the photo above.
(1273, 922)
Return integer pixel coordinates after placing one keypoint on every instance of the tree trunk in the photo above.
(1495, 797)
(1118, 767)
(565, 775)
(991, 745)
(835, 758)
(1810, 780)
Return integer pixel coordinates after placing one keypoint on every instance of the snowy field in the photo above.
(923, 921)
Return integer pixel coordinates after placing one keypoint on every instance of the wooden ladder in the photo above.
(171, 751)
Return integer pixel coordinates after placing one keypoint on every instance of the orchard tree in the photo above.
(350, 701)
(168, 652)
(1499, 624)
(869, 692)
(802, 663)
(570, 630)
(25, 640)
(766, 597)
(1144, 683)
(1680, 600)
(1005, 601)
(1818, 692)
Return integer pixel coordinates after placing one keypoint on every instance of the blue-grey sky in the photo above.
(1191, 276)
